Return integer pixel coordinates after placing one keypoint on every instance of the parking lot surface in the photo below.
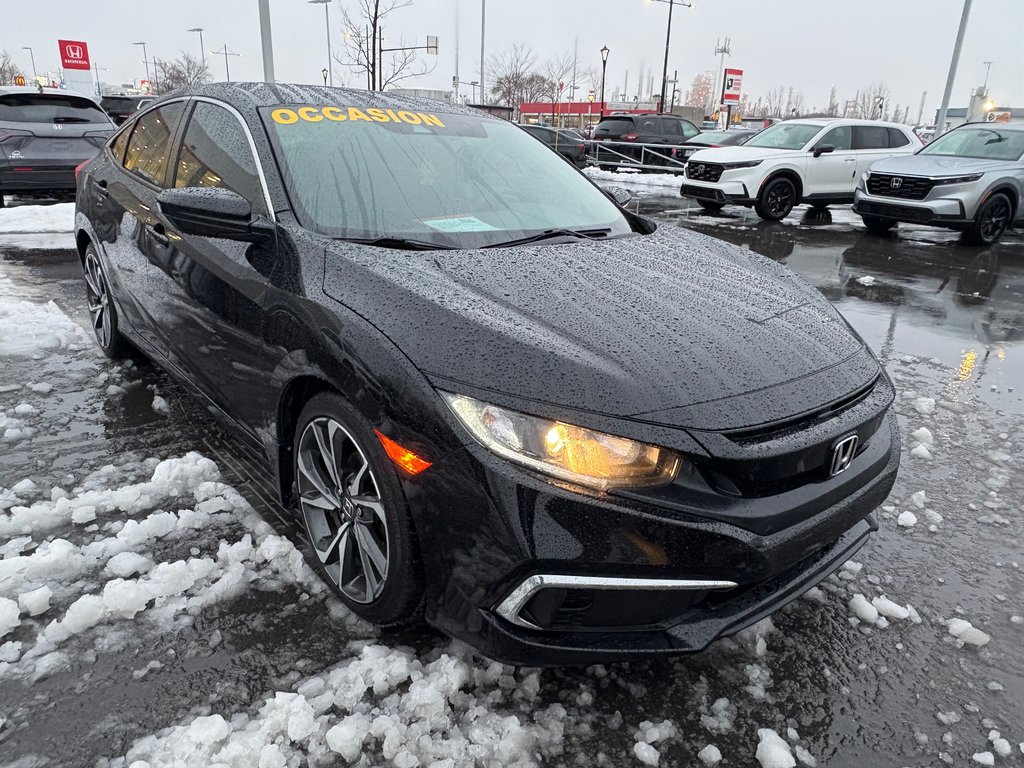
(111, 476)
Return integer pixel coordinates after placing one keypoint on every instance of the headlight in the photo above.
(748, 164)
(575, 454)
(960, 179)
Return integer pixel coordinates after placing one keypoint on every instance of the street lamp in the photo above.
(145, 60)
(324, 73)
(202, 48)
(604, 67)
(668, 38)
(327, 21)
(32, 56)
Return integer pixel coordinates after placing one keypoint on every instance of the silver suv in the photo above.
(970, 179)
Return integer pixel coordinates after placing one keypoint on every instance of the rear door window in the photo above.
(671, 128)
(615, 127)
(150, 142)
(870, 137)
(897, 138)
(216, 153)
(50, 108)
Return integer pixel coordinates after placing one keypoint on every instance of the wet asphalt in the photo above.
(947, 321)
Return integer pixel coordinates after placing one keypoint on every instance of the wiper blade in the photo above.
(398, 243)
(72, 120)
(551, 234)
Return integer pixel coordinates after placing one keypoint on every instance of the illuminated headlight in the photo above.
(570, 453)
(960, 179)
(747, 164)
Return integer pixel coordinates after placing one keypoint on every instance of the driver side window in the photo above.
(841, 138)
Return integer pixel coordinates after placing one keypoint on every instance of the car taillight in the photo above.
(629, 137)
(79, 167)
(581, 146)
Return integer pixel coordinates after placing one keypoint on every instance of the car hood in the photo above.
(937, 165)
(663, 327)
(741, 154)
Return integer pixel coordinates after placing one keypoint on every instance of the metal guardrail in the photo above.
(618, 155)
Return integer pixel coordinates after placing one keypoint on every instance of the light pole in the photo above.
(483, 13)
(32, 56)
(96, 68)
(604, 68)
(145, 60)
(225, 53)
(668, 39)
(267, 42)
(202, 48)
(327, 22)
(940, 119)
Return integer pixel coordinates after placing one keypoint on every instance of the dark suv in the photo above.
(566, 143)
(44, 135)
(630, 132)
(120, 108)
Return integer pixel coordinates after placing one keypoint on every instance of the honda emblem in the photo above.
(73, 51)
(700, 168)
(842, 455)
(896, 183)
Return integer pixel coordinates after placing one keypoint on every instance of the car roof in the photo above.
(6, 90)
(247, 97)
(826, 121)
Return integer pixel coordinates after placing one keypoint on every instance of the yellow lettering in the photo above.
(310, 114)
(284, 116)
(409, 117)
(431, 120)
(378, 115)
(393, 116)
(354, 113)
(333, 113)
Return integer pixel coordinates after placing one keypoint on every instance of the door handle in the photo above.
(101, 187)
(850, 160)
(159, 234)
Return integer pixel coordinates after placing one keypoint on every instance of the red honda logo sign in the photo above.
(74, 54)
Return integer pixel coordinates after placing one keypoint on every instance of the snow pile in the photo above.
(33, 219)
(906, 519)
(384, 706)
(983, 758)
(9, 615)
(635, 178)
(866, 280)
(773, 751)
(999, 745)
(710, 755)
(50, 328)
(925, 405)
(966, 633)
(723, 713)
(645, 753)
(160, 405)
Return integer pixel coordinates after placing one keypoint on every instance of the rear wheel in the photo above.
(776, 200)
(1, 199)
(101, 307)
(355, 513)
(876, 225)
(710, 206)
(991, 221)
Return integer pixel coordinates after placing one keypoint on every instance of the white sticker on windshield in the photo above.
(459, 224)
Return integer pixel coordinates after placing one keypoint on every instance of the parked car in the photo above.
(120, 108)
(44, 134)
(712, 139)
(561, 432)
(811, 161)
(630, 132)
(566, 143)
(970, 179)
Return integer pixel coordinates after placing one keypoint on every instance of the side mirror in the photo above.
(210, 212)
(620, 195)
(822, 149)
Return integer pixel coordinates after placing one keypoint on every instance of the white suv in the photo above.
(812, 161)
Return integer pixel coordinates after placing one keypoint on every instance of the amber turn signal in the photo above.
(403, 457)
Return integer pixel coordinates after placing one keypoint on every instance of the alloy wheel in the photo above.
(779, 200)
(342, 509)
(994, 220)
(99, 300)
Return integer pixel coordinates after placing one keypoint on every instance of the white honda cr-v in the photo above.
(813, 161)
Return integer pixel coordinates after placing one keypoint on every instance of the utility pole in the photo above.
(721, 50)
(96, 68)
(920, 111)
(455, 79)
(940, 120)
(483, 64)
(225, 53)
(327, 22)
(668, 40)
(988, 70)
(267, 41)
(202, 48)
(156, 75)
(145, 60)
(35, 75)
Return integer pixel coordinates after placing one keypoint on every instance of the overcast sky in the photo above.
(809, 44)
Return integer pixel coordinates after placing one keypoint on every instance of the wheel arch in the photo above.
(790, 173)
(82, 241)
(1011, 192)
(294, 396)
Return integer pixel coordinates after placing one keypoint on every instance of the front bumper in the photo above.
(943, 212)
(534, 573)
(725, 192)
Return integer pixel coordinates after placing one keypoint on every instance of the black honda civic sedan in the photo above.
(495, 398)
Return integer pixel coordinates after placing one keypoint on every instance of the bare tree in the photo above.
(511, 74)
(363, 33)
(181, 73)
(555, 71)
(873, 100)
(774, 101)
(8, 69)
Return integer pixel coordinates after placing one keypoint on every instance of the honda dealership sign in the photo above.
(74, 54)
(732, 86)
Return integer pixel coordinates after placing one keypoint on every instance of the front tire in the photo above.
(991, 221)
(355, 513)
(876, 225)
(776, 200)
(101, 307)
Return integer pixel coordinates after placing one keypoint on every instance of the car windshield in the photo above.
(785, 136)
(120, 103)
(454, 180)
(981, 142)
(49, 108)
